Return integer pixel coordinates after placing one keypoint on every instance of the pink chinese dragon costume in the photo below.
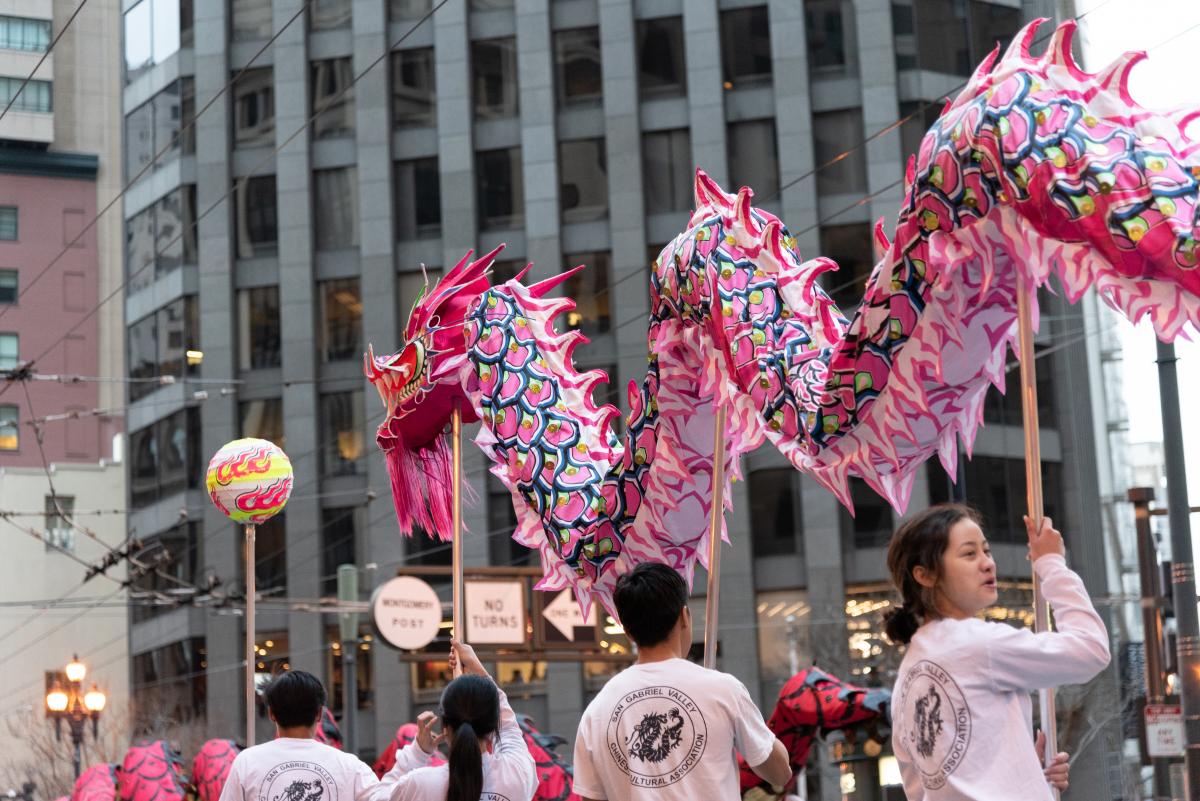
(1036, 168)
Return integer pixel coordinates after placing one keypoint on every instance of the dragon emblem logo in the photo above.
(656, 735)
(302, 791)
(934, 721)
(298, 781)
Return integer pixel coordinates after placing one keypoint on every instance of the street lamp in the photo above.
(72, 704)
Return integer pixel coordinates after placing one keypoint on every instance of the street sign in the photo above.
(1164, 730)
(561, 624)
(406, 612)
(495, 612)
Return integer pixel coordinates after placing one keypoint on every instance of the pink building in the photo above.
(46, 199)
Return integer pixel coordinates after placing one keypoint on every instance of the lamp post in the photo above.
(72, 704)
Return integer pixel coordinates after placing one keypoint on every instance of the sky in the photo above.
(1169, 35)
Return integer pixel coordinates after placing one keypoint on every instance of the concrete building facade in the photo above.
(570, 131)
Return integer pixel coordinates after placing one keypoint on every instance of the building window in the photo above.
(262, 419)
(490, 5)
(8, 286)
(8, 223)
(255, 211)
(1005, 408)
(418, 200)
(995, 486)
(160, 127)
(852, 247)
(153, 32)
(37, 96)
(341, 320)
(774, 511)
(501, 188)
(10, 435)
(329, 14)
(335, 212)
(745, 47)
(250, 19)
(9, 351)
(991, 23)
(339, 543)
(754, 158)
(342, 432)
(164, 458)
(21, 33)
(667, 171)
(831, 131)
(577, 61)
(783, 645)
(913, 131)
(179, 546)
(270, 555)
(254, 109)
(871, 526)
(583, 180)
(942, 43)
(408, 9)
(333, 98)
(661, 67)
(161, 237)
(258, 328)
(590, 289)
(502, 523)
(414, 95)
(494, 77)
(169, 683)
(826, 34)
(164, 343)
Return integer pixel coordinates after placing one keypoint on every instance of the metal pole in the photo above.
(251, 651)
(1152, 624)
(347, 587)
(793, 646)
(1183, 576)
(77, 738)
(712, 602)
(1033, 491)
(456, 555)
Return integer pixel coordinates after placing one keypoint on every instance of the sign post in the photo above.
(1164, 730)
(495, 612)
(561, 624)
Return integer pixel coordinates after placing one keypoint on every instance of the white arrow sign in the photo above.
(563, 613)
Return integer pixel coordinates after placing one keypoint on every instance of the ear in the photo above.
(924, 576)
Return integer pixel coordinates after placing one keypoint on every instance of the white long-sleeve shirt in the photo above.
(962, 717)
(508, 772)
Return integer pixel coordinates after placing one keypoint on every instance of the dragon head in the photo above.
(421, 385)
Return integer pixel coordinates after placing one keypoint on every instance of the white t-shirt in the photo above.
(668, 730)
(962, 725)
(508, 772)
(293, 769)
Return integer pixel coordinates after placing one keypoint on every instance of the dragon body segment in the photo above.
(1035, 168)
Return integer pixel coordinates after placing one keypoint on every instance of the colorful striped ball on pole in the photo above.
(249, 480)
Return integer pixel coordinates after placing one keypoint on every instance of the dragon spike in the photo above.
(742, 210)
(481, 264)
(708, 192)
(985, 66)
(1058, 52)
(1019, 48)
(881, 240)
(369, 369)
(772, 236)
(1116, 75)
(521, 275)
(541, 288)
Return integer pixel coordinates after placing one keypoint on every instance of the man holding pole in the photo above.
(667, 728)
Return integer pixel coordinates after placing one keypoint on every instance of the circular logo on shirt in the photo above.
(298, 781)
(656, 735)
(937, 722)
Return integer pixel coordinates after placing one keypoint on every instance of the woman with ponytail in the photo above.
(488, 756)
(961, 709)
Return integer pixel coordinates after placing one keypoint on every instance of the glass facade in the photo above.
(22, 33)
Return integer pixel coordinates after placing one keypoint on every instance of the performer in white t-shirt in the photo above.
(295, 767)
(489, 760)
(961, 711)
(666, 728)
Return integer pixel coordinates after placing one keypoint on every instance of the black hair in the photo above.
(649, 600)
(295, 698)
(920, 542)
(470, 711)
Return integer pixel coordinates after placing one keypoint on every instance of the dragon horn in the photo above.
(742, 210)
(1019, 47)
(708, 192)
(521, 275)
(369, 363)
